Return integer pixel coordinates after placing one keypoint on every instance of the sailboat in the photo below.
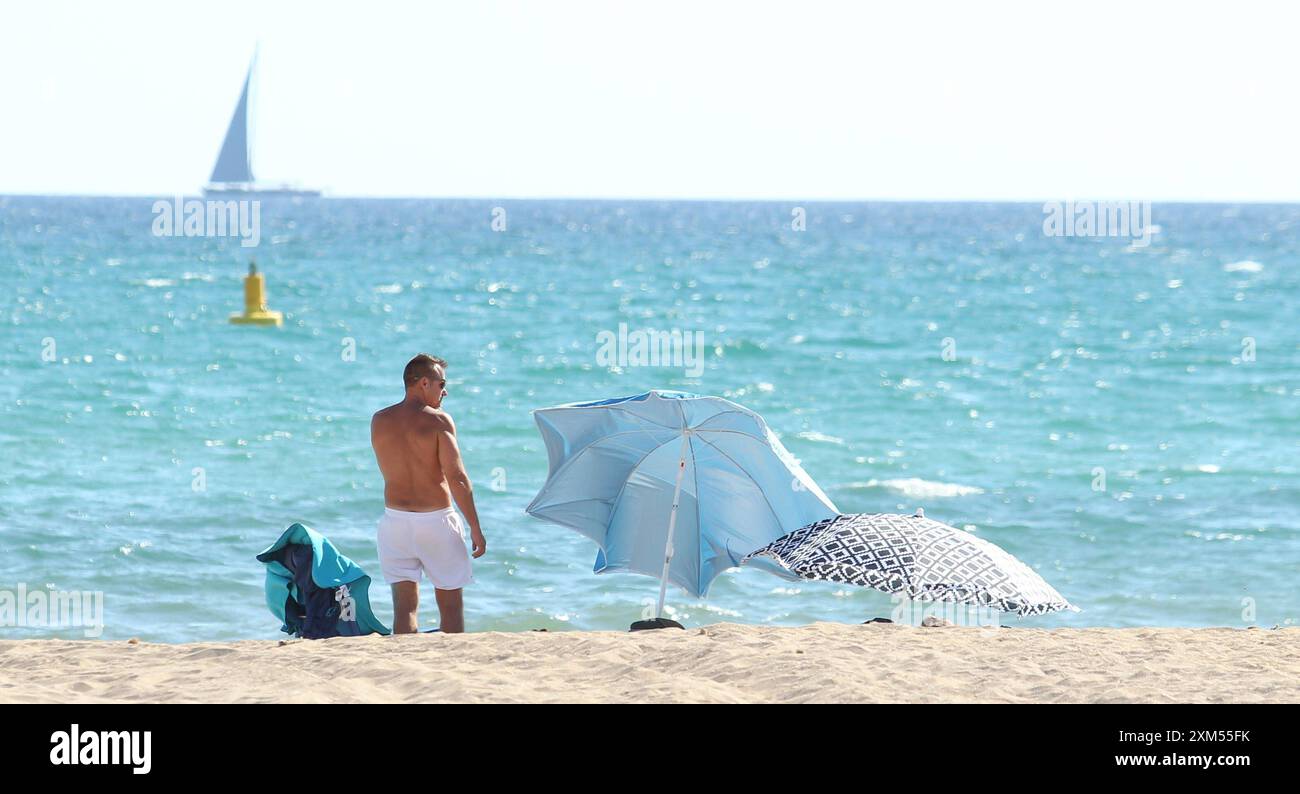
(232, 177)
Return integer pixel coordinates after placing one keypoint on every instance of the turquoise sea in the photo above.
(1124, 419)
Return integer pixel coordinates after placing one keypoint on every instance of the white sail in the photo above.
(234, 163)
(233, 174)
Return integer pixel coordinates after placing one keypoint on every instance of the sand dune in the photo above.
(719, 663)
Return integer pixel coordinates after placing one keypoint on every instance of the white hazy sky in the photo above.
(788, 100)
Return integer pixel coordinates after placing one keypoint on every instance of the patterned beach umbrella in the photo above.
(915, 556)
(672, 485)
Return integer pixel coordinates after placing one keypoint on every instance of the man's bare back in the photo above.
(405, 437)
(415, 445)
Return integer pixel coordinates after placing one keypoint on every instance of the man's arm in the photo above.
(453, 468)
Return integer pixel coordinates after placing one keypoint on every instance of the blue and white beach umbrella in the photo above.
(672, 485)
(913, 556)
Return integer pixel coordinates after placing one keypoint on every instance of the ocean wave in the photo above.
(1244, 266)
(1211, 536)
(813, 435)
(742, 348)
(920, 489)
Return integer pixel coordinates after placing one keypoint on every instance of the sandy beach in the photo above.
(721, 663)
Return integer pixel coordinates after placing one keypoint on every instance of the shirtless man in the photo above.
(415, 444)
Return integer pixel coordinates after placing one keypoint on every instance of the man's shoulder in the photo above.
(438, 419)
(383, 413)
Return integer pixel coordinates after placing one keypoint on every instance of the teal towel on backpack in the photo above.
(314, 589)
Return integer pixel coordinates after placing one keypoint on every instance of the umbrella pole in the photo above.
(672, 524)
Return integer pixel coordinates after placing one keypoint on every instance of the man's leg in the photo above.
(406, 602)
(451, 611)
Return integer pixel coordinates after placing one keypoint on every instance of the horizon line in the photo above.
(674, 199)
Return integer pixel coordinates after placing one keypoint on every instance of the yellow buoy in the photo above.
(255, 311)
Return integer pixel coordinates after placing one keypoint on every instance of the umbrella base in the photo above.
(657, 623)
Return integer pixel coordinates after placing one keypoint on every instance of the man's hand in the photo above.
(480, 543)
